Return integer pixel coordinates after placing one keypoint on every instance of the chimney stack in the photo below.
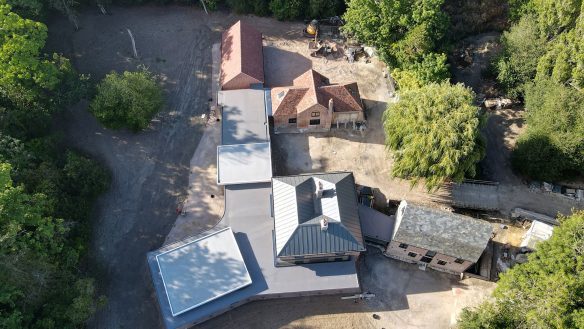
(323, 224)
(319, 190)
(330, 106)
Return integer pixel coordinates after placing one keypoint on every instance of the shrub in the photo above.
(127, 100)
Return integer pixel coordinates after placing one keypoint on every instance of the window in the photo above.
(441, 262)
(430, 254)
(315, 114)
(412, 254)
(426, 259)
(292, 120)
(459, 261)
(403, 246)
(315, 122)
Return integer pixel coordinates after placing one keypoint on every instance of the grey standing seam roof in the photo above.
(444, 232)
(297, 215)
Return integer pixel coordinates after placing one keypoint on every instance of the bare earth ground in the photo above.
(151, 170)
(405, 298)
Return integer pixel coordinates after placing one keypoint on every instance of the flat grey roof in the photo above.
(244, 163)
(375, 224)
(244, 117)
(202, 270)
(442, 231)
(248, 213)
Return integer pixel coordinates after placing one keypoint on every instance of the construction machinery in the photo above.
(328, 26)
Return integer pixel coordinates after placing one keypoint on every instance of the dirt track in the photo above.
(150, 170)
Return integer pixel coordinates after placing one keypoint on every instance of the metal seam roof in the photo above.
(297, 224)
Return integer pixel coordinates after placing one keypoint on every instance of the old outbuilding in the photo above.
(437, 239)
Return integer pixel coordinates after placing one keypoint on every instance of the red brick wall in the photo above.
(281, 121)
(240, 81)
(394, 250)
(304, 117)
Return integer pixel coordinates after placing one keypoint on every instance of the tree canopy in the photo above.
(434, 134)
(545, 292)
(407, 35)
(130, 100)
(542, 63)
(46, 190)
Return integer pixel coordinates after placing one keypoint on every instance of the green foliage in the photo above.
(545, 292)
(130, 100)
(286, 9)
(522, 48)
(432, 68)
(403, 31)
(23, 73)
(552, 148)
(325, 8)
(45, 190)
(434, 133)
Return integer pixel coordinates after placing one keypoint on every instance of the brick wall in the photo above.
(282, 121)
(305, 116)
(451, 266)
(240, 81)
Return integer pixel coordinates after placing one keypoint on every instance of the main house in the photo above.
(316, 218)
(312, 103)
(441, 240)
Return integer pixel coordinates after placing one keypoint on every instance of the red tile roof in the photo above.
(313, 88)
(241, 52)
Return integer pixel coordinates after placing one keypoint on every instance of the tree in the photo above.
(523, 46)
(432, 68)
(23, 73)
(287, 9)
(552, 148)
(130, 99)
(545, 292)
(434, 134)
(401, 30)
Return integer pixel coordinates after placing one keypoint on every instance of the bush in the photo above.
(127, 100)
(434, 133)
